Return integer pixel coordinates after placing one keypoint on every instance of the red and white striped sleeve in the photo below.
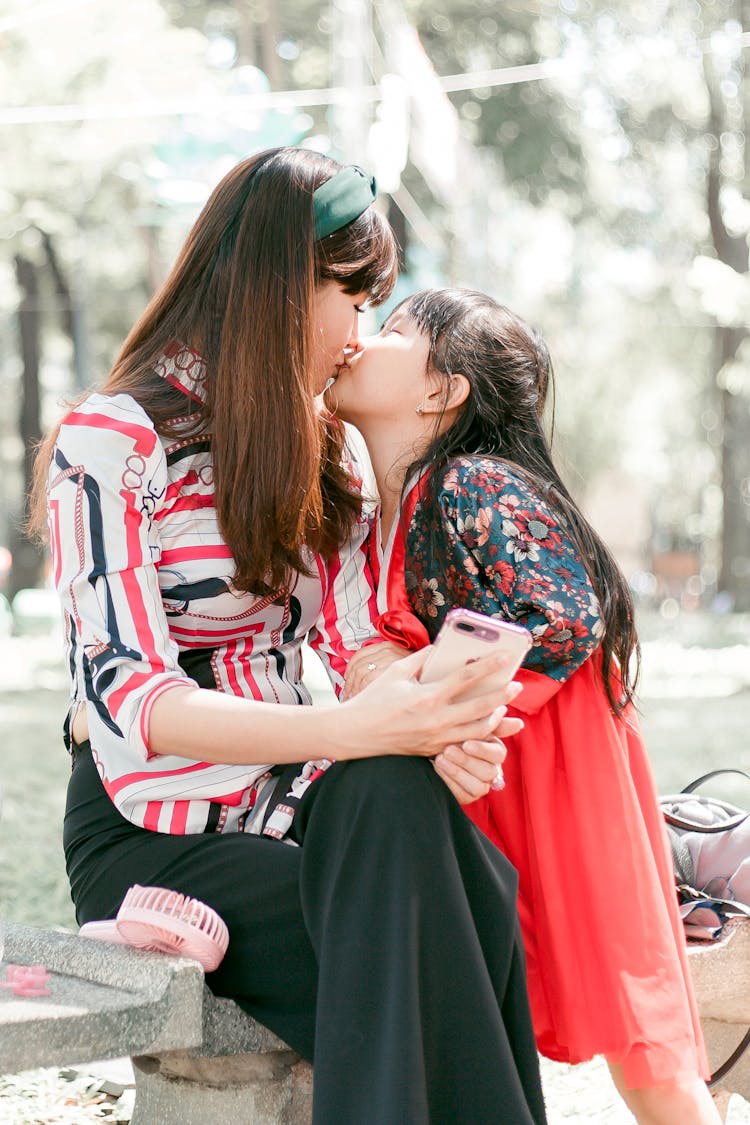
(107, 482)
(349, 606)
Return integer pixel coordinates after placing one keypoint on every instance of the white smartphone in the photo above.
(465, 636)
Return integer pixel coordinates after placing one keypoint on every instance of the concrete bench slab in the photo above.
(106, 1001)
(195, 1056)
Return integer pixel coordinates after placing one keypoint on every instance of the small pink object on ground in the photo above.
(26, 980)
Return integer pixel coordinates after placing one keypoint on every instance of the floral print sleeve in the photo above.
(509, 557)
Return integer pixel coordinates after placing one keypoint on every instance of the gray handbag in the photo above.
(710, 841)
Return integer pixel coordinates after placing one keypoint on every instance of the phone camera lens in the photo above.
(465, 627)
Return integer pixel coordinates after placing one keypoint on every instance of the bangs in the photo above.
(451, 318)
(445, 316)
(362, 257)
(432, 310)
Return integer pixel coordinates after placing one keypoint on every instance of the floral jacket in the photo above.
(507, 556)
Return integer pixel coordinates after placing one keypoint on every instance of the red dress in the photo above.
(578, 817)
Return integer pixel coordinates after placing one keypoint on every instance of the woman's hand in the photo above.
(369, 663)
(396, 714)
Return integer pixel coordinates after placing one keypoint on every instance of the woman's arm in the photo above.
(107, 489)
(394, 715)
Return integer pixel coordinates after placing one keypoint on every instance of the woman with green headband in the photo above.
(204, 520)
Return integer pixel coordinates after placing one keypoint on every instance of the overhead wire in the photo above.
(273, 99)
(41, 11)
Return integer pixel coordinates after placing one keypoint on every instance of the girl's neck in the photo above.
(390, 456)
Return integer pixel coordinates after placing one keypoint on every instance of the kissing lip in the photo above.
(351, 358)
(345, 365)
(349, 362)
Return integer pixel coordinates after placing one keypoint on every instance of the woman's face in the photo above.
(387, 379)
(336, 318)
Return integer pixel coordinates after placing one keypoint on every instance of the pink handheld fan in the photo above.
(163, 921)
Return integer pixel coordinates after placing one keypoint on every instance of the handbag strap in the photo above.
(709, 776)
(709, 829)
(735, 1056)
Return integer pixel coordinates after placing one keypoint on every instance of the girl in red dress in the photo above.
(450, 399)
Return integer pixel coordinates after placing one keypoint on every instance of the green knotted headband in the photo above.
(342, 199)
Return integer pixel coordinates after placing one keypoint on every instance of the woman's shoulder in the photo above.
(97, 407)
(108, 425)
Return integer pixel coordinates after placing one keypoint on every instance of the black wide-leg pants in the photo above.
(385, 949)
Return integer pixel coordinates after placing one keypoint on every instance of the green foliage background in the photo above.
(593, 199)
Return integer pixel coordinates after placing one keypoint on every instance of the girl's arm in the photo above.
(359, 668)
(510, 556)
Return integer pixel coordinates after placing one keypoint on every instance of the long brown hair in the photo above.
(510, 374)
(241, 294)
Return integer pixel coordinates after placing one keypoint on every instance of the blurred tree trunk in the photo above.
(258, 37)
(28, 559)
(247, 37)
(71, 310)
(734, 406)
(270, 27)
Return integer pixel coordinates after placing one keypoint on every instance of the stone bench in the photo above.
(196, 1057)
(721, 975)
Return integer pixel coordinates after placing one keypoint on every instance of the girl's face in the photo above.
(387, 379)
(336, 318)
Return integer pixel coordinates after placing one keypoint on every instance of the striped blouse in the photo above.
(145, 581)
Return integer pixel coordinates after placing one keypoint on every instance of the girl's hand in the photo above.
(396, 714)
(472, 770)
(369, 663)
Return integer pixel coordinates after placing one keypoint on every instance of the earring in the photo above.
(418, 409)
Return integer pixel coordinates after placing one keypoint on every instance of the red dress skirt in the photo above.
(579, 819)
(605, 946)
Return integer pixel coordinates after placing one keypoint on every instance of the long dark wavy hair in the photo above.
(241, 294)
(509, 370)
